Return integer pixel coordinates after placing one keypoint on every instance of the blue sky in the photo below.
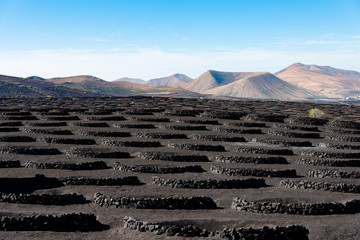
(149, 39)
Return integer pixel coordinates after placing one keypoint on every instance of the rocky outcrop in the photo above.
(184, 127)
(96, 153)
(29, 150)
(223, 115)
(90, 124)
(304, 208)
(345, 124)
(197, 147)
(329, 162)
(323, 154)
(167, 156)
(168, 229)
(237, 130)
(105, 134)
(292, 127)
(44, 199)
(110, 118)
(307, 121)
(64, 165)
(156, 169)
(270, 151)
(333, 187)
(333, 174)
(139, 144)
(340, 146)
(343, 138)
(246, 124)
(130, 180)
(47, 124)
(218, 138)
(292, 232)
(62, 222)
(182, 113)
(75, 141)
(195, 121)
(17, 139)
(285, 143)
(139, 126)
(293, 134)
(266, 117)
(63, 118)
(155, 203)
(253, 172)
(253, 160)
(161, 135)
(209, 183)
(47, 131)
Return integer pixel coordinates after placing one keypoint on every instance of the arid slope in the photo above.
(331, 82)
(262, 86)
(176, 80)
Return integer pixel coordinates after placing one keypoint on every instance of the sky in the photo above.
(152, 38)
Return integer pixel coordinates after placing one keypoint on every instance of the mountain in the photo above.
(83, 86)
(130, 85)
(37, 87)
(92, 84)
(75, 79)
(176, 80)
(260, 86)
(330, 82)
(212, 79)
(132, 80)
(36, 78)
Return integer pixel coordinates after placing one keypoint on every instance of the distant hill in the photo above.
(75, 79)
(36, 78)
(92, 84)
(212, 79)
(130, 85)
(33, 87)
(132, 80)
(176, 80)
(329, 81)
(295, 82)
(261, 86)
(82, 86)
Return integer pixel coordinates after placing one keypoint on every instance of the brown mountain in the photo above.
(212, 79)
(130, 85)
(75, 79)
(92, 84)
(176, 80)
(132, 80)
(330, 82)
(37, 87)
(260, 85)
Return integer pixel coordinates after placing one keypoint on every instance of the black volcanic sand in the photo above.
(189, 117)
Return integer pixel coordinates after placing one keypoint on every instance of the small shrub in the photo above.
(317, 113)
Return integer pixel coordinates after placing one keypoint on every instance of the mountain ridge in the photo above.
(175, 80)
(261, 85)
(331, 82)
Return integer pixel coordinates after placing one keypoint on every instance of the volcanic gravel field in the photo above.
(172, 168)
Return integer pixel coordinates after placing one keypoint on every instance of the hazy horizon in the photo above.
(152, 39)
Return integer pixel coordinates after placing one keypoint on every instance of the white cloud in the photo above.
(94, 39)
(181, 37)
(326, 42)
(148, 63)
